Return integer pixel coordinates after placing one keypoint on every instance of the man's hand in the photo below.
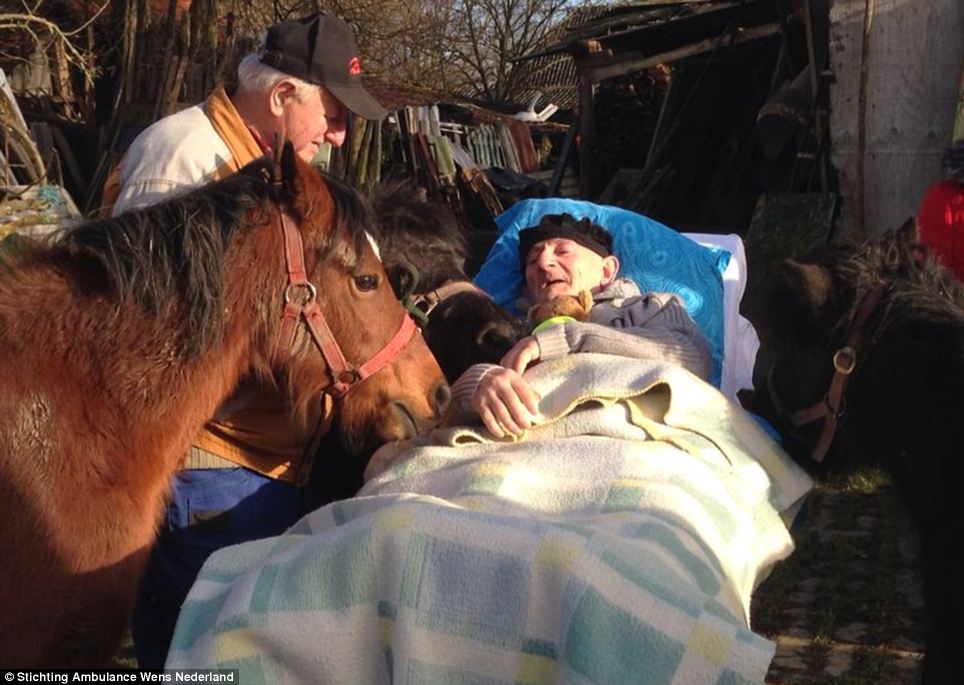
(521, 355)
(505, 402)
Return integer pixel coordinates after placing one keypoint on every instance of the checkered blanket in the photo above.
(618, 542)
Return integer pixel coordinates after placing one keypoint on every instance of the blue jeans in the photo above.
(209, 509)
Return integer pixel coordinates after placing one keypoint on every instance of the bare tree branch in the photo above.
(32, 24)
(464, 45)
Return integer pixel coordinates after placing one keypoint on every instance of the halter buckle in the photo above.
(845, 360)
(342, 382)
(309, 290)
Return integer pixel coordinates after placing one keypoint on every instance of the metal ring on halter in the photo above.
(426, 303)
(311, 292)
(410, 301)
(413, 307)
(348, 377)
(845, 360)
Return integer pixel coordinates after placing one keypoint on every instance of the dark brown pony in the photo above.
(462, 325)
(895, 320)
(117, 342)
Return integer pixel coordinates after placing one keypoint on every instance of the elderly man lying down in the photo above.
(616, 537)
(563, 257)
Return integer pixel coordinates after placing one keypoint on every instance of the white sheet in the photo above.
(740, 341)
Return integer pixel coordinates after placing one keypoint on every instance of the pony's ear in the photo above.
(810, 284)
(291, 181)
(907, 233)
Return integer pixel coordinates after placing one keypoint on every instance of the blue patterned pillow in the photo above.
(658, 258)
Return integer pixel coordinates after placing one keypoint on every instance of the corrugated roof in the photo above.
(395, 96)
(554, 75)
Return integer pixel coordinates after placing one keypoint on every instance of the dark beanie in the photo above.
(582, 231)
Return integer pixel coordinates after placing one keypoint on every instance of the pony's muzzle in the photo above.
(441, 397)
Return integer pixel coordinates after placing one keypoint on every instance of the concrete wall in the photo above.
(897, 67)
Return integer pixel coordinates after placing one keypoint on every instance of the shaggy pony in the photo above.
(902, 407)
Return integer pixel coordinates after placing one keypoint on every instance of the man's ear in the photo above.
(283, 91)
(610, 269)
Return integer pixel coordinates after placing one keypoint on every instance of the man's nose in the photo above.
(335, 135)
(545, 259)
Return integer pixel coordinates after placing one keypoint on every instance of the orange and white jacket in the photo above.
(199, 144)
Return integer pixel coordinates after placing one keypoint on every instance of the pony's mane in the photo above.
(170, 254)
(424, 234)
(920, 288)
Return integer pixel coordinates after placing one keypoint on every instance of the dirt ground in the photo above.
(846, 607)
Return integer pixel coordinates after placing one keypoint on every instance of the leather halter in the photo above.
(301, 303)
(833, 405)
(426, 302)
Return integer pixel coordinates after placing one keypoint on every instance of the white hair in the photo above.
(257, 77)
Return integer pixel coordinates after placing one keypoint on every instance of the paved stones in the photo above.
(846, 606)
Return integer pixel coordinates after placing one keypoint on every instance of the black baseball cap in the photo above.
(321, 49)
(582, 231)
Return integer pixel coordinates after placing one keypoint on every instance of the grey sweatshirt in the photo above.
(622, 322)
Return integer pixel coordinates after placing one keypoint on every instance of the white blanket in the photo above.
(620, 541)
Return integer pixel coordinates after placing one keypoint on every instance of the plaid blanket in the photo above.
(618, 542)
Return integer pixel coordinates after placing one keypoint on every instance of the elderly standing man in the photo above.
(564, 256)
(242, 478)
(300, 84)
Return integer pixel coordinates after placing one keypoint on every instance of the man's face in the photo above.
(560, 266)
(317, 118)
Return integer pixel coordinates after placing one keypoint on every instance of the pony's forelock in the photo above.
(353, 219)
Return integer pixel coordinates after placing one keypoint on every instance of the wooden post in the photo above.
(584, 148)
(60, 76)
(818, 110)
(862, 107)
(564, 155)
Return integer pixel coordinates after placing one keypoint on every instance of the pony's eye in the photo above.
(366, 282)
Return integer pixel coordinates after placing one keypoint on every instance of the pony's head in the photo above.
(424, 251)
(470, 328)
(358, 343)
(879, 321)
(415, 232)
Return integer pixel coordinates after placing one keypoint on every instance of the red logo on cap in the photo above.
(354, 66)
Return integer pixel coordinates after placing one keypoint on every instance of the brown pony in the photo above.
(424, 251)
(117, 342)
